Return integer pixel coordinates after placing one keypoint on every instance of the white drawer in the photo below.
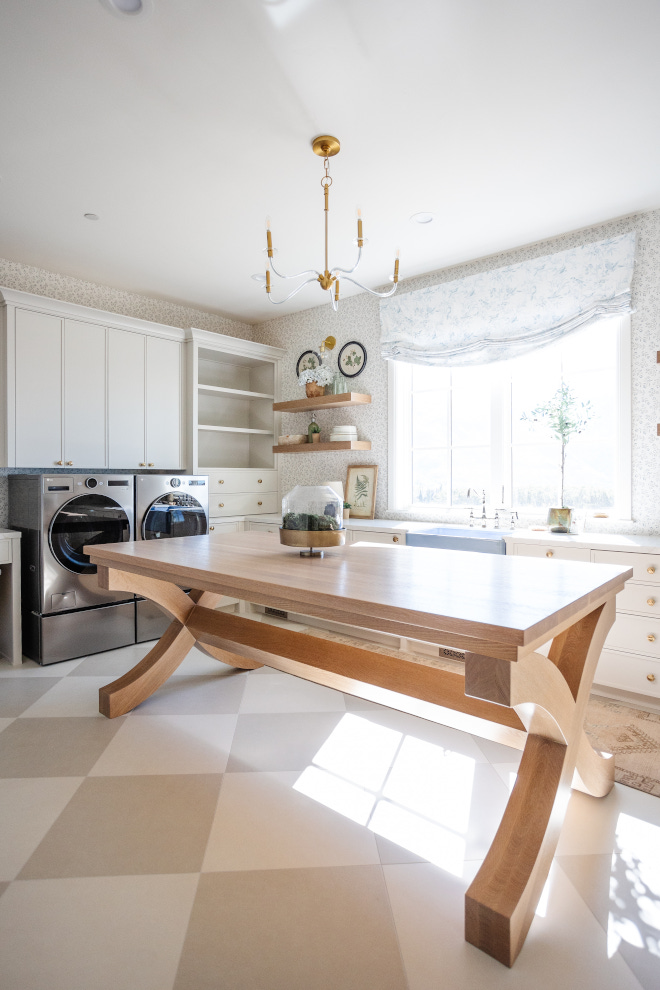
(628, 673)
(368, 536)
(646, 566)
(242, 505)
(216, 526)
(5, 551)
(643, 598)
(230, 482)
(552, 552)
(635, 634)
(262, 527)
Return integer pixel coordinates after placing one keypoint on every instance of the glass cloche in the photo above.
(312, 516)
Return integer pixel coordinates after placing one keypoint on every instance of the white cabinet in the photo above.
(86, 389)
(374, 536)
(630, 660)
(144, 401)
(232, 384)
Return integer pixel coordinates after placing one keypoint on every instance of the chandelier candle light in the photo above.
(325, 146)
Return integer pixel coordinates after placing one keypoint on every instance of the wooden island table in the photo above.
(497, 609)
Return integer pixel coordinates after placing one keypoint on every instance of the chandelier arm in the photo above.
(278, 302)
(310, 271)
(381, 295)
(348, 271)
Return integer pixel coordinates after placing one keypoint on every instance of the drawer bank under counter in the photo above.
(630, 661)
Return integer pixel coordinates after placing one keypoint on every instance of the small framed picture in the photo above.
(360, 491)
(307, 361)
(352, 359)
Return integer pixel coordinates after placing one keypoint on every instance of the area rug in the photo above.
(630, 734)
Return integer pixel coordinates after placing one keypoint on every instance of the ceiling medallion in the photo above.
(326, 147)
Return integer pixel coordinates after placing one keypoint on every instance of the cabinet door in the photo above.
(163, 409)
(84, 395)
(38, 390)
(126, 393)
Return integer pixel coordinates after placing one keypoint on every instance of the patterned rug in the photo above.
(631, 734)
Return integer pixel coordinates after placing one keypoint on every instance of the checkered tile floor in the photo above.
(251, 831)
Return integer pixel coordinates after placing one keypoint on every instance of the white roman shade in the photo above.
(504, 313)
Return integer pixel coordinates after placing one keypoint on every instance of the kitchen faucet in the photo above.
(484, 517)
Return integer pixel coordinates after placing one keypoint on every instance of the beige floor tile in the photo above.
(198, 662)
(590, 823)
(4, 722)
(286, 693)
(18, 694)
(216, 693)
(30, 668)
(94, 934)
(54, 747)
(566, 948)
(126, 825)
(71, 697)
(28, 808)
(432, 732)
(167, 744)
(262, 823)
(112, 663)
(316, 929)
(280, 741)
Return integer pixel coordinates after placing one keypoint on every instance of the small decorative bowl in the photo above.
(292, 438)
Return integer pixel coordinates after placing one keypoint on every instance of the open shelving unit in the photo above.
(323, 402)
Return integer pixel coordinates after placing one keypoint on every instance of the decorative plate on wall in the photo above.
(352, 359)
(307, 361)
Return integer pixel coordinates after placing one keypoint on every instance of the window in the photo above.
(452, 429)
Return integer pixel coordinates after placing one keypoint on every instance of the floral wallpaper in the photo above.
(358, 319)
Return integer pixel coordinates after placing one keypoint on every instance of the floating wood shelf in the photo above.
(311, 448)
(323, 402)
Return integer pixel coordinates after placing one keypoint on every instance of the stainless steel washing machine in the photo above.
(167, 506)
(64, 611)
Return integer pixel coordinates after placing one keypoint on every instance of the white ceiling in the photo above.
(184, 126)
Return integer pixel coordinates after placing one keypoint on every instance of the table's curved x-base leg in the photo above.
(546, 696)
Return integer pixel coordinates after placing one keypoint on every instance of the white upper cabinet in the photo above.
(37, 439)
(86, 389)
(84, 395)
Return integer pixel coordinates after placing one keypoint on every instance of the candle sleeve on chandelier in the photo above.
(396, 265)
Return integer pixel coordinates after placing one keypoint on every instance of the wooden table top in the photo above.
(510, 600)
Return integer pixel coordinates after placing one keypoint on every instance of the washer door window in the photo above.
(174, 514)
(87, 520)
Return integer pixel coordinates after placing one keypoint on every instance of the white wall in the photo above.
(358, 319)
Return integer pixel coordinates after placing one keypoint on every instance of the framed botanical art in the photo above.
(352, 359)
(360, 491)
(308, 361)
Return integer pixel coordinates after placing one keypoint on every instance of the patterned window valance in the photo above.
(506, 312)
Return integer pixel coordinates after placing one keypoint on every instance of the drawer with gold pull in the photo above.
(244, 504)
(635, 634)
(552, 551)
(628, 673)
(643, 598)
(646, 566)
(238, 480)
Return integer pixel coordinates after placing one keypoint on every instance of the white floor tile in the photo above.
(28, 807)
(262, 823)
(166, 744)
(285, 693)
(100, 933)
(29, 668)
(71, 696)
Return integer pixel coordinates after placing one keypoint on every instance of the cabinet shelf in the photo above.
(323, 402)
(232, 393)
(233, 429)
(311, 448)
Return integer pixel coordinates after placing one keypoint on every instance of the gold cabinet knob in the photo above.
(549, 553)
(221, 505)
(259, 481)
(221, 482)
(69, 463)
(142, 464)
(650, 601)
(59, 462)
(211, 527)
(650, 570)
(395, 539)
(651, 638)
(650, 677)
(260, 503)
(151, 463)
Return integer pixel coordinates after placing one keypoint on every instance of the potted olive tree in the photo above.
(566, 416)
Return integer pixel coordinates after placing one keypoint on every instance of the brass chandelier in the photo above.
(326, 147)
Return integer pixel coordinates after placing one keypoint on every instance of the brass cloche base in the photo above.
(312, 538)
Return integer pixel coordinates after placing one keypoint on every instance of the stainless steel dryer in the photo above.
(166, 506)
(65, 613)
